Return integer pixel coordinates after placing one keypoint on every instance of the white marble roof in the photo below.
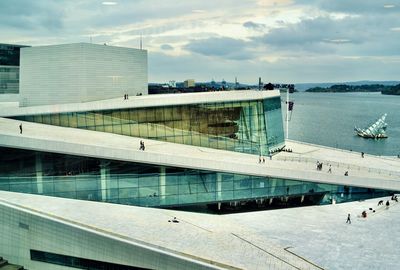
(143, 101)
(301, 236)
(369, 172)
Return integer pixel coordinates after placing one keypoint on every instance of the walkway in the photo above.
(370, 172)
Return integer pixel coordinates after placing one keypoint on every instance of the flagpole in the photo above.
(287, 113)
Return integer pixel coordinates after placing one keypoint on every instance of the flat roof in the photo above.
(210, 239)
(143, 101)
(315, 237)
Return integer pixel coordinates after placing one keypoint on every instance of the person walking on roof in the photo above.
(348, 219)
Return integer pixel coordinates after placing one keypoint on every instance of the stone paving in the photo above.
(315, 237)
(320, 233)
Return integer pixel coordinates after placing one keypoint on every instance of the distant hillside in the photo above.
(304, 86)
(394, 90)
(344, 88)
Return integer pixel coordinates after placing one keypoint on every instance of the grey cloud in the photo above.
(360, 35)
(311, 31)
(253, 25)
(31, 15)
(353, 6)
(222, 47)
(166, 47)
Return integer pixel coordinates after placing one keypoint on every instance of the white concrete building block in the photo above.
(80, 72)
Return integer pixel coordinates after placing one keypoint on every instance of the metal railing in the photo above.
(345, 166)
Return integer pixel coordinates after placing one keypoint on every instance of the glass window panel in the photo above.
(187, 198)
(90, 120)
(38, 118)
(148, 180)
(22, 186)
(87, 183)
(55, 119)
(127, 181)
(128, 193)
(125, 117)
(135, 130)
(133, 115)
(116, 116)
(172, 199)
(72, 121)
(143, 131)
(126, 129)
(108, 121)
(168, 114)
(64, 183)
(148, 192)
(243, 193)
(151, 115)
(141, 115)
(152, 131)
(46, 119)
(81, 118)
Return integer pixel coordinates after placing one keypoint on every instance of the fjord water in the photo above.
(329, 119)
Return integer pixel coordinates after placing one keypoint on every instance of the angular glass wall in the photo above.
(274, 124)
(140, 184)
(249, 126)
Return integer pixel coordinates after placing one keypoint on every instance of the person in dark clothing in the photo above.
(348, 219)
(141, 145)
(20, 128)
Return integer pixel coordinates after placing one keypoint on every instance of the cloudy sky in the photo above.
(288, 41)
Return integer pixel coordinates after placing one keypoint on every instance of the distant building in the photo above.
(172, 84)
(189, 83)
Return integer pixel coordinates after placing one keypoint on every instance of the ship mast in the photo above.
(287, 113)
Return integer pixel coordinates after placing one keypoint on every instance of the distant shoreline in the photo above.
(343, 88)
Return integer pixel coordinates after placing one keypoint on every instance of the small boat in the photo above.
(376, 131)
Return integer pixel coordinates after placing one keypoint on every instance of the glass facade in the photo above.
(9, 80)
(245, 126)
(9, 54)
(140, 184)
(9, 68)
(77, 262)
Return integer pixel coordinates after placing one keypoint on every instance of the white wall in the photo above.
(80, 72)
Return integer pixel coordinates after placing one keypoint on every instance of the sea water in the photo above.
(329, 119)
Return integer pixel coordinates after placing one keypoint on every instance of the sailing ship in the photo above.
(376, 131)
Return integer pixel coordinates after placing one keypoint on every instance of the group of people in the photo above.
(262, 159)
(174, 220)
(126, 96)
(364, 213)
